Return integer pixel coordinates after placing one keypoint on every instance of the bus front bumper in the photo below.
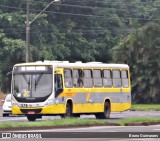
(52, 109)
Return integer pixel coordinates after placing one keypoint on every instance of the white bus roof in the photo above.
(78, 64)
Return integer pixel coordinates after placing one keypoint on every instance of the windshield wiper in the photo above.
(27, 81)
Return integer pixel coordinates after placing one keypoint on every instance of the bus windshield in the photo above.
(32, 83)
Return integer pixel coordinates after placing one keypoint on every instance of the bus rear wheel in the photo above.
(107, 110)
(31, 117)
(106, 113)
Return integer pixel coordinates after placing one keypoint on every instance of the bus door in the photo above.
(58, 84)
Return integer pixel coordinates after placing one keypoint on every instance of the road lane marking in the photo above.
(156, 129)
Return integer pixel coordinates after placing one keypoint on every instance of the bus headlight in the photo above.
(14, 103)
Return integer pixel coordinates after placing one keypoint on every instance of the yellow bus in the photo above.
(70, 89)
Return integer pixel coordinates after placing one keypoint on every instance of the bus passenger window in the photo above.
(124, 74)
(116, 78)
(77, 78)
(97, 78)
(58, 84)
(68, 78)
(107, 78)
(88, 78)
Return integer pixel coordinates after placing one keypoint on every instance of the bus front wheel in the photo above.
(31, 117)
(68, 112)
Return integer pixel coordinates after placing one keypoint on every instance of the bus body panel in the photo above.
(88, 108)
(85, 100)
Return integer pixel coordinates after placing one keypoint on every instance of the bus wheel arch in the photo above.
(69, 109)
(107, 109)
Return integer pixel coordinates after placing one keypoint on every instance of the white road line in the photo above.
(70, 129)
(156, 129)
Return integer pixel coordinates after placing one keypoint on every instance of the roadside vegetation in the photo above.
(2, 97)
(74, 122)
(55, 123)
(109, 31)
(145, 107)
(143, 121)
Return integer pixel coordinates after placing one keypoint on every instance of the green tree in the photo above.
(141, 51)
(83, 30)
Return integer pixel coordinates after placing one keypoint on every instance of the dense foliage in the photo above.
(125, 31)
(141, 51)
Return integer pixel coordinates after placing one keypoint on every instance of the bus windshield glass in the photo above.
(32, 82)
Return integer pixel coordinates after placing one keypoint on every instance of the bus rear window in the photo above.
(124, 74)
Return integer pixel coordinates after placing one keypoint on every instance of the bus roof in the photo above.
(78, 64)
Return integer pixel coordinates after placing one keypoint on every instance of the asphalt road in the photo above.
(113, 118)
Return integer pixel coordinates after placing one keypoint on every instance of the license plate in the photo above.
(31, 112)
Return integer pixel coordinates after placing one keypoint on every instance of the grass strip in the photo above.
(139, 120)
(69, 122)
(56, 122)
(145, 107)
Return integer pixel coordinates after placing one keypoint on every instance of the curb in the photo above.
(142, 123)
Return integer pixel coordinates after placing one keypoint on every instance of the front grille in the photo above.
(36, 111)
(31, 100)
(7, 111)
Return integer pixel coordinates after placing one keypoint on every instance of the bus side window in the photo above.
(77, 78)
(97, 78)
(68, 78)
(124, 75)
(107, 78)
(88, 78)
(116, 78)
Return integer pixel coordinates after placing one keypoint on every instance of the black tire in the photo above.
(31, 117)
(98, 115)
(106, 113)
(68, 111)
(5, 115)
(76, 115)
(107, 110)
